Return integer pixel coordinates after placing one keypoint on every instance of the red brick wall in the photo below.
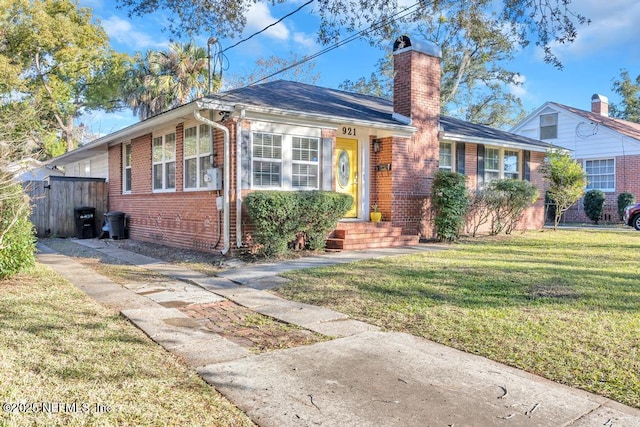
(185, 219)
(627, 181)
(533, 217)
(380, 182)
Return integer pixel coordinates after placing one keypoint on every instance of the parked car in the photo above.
(632, 216)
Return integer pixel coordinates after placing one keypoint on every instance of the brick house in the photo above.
(607, 148)
(180, 176)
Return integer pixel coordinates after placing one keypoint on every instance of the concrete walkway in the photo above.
(363, 377)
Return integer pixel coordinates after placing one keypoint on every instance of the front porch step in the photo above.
(367, 235)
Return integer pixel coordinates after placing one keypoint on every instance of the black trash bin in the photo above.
(115, 221)
(85, 219)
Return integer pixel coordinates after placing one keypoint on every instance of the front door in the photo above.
(347, 171)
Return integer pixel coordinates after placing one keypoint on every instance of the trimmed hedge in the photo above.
(280, 216)
(450, 204)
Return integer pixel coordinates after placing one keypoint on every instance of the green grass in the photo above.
(58, 346)
(564, 305)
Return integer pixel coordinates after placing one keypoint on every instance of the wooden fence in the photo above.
(55, 200)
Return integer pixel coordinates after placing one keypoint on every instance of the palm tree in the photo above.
(159, 81)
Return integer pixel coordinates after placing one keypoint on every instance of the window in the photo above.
(285, 161)
(491, 164)
(600, 174)
(304, 162)
(126, 181)
(164, 162)
(501, 163)
(197, 149)
(511, 164)
(267, 159)
(446, 156)
(549, 126)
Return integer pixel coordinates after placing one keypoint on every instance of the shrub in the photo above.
(480, 210)
(509, 199)
(566, 180)
(624, 200)
(17, 242)
(502, 203)
(450, 201)
(594, 201)
(278, 216)
(319, 212)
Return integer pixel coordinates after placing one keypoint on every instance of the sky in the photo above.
(604, 47)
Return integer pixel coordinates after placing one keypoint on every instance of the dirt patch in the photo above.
(542, 290)
(254, 331)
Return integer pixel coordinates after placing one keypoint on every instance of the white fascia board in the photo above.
(497, 143)
(321, 120)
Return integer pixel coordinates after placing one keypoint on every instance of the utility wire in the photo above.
(398, 15)
(269, 26)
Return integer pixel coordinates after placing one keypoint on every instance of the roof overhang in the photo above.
(495, 142)
(101, 145)
(185, 113)
(301, 118)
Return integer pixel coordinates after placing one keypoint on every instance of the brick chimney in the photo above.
(416, 100)
(416, 84)
(600, 105)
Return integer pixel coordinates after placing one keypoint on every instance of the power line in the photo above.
(269, 26)
(398, 15)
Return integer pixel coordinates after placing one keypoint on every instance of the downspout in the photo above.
(226, 188)
(239, 179)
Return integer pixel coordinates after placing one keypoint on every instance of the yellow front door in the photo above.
(347, 171)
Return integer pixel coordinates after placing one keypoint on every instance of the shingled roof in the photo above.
(294, 96)
(624, 127)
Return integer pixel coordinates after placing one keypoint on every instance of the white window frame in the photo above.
(452, 166)
(164, 162)
(286, 160)
(271, 160)
(126, 168)
(550, 121)
(518, 171)
(589, 184)
(308, 163)
(501, 172)
(201, 157)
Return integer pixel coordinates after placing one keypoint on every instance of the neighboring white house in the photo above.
(608, 148)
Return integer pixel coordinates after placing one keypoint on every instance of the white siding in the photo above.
(93, 167)
(588, 141)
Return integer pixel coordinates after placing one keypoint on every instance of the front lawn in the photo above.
(564, 304)
(66, 360)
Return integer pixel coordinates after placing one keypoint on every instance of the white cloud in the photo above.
(259, 16)
(519, 90)
(614, 25)
(121, 31)
(305, 40)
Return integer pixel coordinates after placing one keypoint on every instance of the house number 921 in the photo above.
(348, 131)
